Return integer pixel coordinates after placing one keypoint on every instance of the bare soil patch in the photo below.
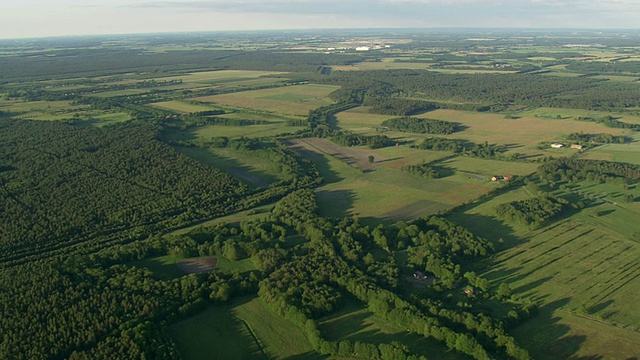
(355, 157)
(249, 177)
(199, 265)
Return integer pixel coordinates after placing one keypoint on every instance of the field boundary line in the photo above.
(255, 337)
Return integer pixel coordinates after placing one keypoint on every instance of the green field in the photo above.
(572, 264)
(110, 118)
(244, 329)
(489, 167)
(389, 194)
(360, 119)
(355, 323)
(520, 135)
(582, 271)
(181, 106)
(221, 80)
(564, 113)
(162, 267)
(41, 110)
(288, 100)
(627, 153)
(254, 214)
(222, 77)
(207, 132)
(251, 169)
(240, 266)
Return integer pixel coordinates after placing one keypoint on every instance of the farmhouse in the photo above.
(557, 145)
(501, 177)
(419, 275)
(468, 291)
(576, 146)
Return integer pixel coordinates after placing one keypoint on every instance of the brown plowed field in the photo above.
(356, 157)
(198, 265)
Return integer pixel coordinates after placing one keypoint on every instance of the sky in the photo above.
(41, 18)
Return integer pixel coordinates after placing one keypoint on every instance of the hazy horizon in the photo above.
(46, 18)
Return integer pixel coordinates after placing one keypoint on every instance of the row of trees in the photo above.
(421, 126)
(601, 138)
(426, 171)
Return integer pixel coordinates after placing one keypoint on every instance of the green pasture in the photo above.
(617, 78)
(256, 213)
(561, 74)
(572, 114)
(572, 265)
(453, 70)
(241, 266)
(628, 153)
(480, 217)
(61, 110)
(581, 270)
(561, 334)
(110, 118)
(613, 210)
(207, 132)
(287, 100)
(221, 76)
(360, 119)
(388, 193)
(259, 115)
(124, 92)
(45, 107)
(180, 106)
(244, 329)
(490, 167)
(541, 58)
(395, 157)
(354, 322)
(252, 169)
(162, 267)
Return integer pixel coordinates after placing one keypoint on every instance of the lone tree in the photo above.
(504, 291)
(371, 159)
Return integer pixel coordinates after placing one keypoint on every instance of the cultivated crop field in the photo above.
(582, 270)
(289, 100)
(572, 266)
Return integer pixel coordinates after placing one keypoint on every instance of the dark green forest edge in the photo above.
(82, 206)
